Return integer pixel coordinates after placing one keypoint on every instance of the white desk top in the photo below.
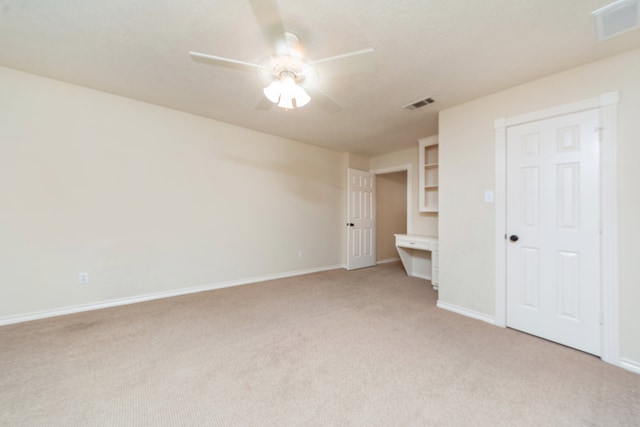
(417, 238)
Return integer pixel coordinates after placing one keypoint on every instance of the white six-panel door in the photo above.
(361, 237)
(553, 230)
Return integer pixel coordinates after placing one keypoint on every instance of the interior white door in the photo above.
(553, 226)
(361, 239)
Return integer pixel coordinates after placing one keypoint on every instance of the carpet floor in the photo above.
(336, 348)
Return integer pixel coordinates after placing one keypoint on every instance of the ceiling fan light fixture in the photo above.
(287, 63)
(285, 90)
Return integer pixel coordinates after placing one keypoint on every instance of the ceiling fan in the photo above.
(292, 79)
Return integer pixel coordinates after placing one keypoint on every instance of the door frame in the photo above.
(607, 104)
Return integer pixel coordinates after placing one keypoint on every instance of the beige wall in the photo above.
(391, 213)
(425, 224)
(357, 162)
(467, 163)
(149, 200)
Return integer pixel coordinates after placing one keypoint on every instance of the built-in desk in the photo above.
(419, 255)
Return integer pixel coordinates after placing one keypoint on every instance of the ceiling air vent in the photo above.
(419, 104)
(616, 18)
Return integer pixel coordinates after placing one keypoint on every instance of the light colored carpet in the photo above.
(365, 348)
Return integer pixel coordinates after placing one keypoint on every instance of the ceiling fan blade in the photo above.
(362, 61)
(264, 104)
(270, 21)
(324, 101)
(219, 61)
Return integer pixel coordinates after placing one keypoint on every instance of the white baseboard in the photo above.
(8, 320)
(466, 312)
(386, 261)
(630, 365)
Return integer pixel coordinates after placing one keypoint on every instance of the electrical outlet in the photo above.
(299, 254)
(83, 278)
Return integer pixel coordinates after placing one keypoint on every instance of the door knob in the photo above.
(513, 238)
(349, 224)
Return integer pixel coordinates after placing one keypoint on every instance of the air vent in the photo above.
(616, 18)
(419, 104)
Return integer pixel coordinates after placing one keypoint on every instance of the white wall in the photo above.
(149, 200)
(467, 162)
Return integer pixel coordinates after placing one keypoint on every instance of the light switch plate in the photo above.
(83, 278)
(488, 196)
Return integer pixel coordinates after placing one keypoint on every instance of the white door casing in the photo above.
(361, 239)
(553, 224)
(607, 105)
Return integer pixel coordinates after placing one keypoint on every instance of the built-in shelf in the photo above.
(428, 168)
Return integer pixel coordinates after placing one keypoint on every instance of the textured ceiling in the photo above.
(453, 51)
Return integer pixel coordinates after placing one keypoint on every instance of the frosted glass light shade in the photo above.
(285, 102)
(302, 98)
(272, 92)
(288, 87)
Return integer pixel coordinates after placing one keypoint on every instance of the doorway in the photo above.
(399, 174)
(360, 251)
(391, 213)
